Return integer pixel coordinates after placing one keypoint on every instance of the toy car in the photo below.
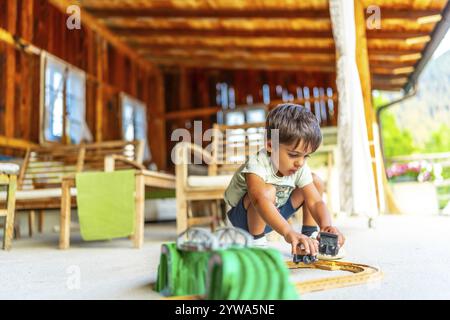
(306, 259)
(328, 244)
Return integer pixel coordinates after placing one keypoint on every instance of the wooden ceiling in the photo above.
(267, 34)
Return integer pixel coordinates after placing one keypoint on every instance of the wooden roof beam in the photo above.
(395, 57)
(404, 34)
(241, 33)
(171, 12)
(393, 51)
(288, 58)
(213, 54)
(243, 64)
(391, 82)
(392, 71)
(248, 33)
(386, 87)
(390, 64)
(147, 48)
(409, 14)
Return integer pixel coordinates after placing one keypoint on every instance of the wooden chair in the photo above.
(231, 146)
(43, 169)
(127, 155)
(8, 178)
(39, 181)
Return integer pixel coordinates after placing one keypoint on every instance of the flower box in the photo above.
(418, 198)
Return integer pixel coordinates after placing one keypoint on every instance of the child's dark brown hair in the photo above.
(295, 124)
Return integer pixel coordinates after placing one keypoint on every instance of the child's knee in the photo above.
(318, 183)
(270, 192)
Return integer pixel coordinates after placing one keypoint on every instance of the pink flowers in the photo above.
(411, 171)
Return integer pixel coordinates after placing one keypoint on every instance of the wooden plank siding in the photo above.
(109, 72)
(200, 104)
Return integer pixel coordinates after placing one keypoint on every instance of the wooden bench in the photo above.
(43, 169)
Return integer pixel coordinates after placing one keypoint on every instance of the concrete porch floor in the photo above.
(412, 251)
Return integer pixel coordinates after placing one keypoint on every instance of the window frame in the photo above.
(126, 99)
(46, 115)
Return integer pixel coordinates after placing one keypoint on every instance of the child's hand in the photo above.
(302, 244)
(334, 230)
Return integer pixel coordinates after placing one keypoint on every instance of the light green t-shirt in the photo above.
(261, 165)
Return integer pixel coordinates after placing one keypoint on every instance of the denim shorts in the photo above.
(238, 215)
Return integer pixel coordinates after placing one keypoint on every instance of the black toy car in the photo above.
(306, 259)
(328, 245)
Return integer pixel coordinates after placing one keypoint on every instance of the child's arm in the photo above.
(262, 202)
(319, 211)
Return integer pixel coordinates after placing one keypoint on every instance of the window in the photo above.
(134, 122)
(255, 115)
(64, 103)
(234, 118)
(243, 115)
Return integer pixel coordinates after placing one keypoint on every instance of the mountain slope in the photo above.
(430, 107)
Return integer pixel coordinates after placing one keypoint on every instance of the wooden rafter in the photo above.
(241, 33)
(227, 34)
(392, 71)
(392, 53)
(148, 48)
(395, 57)
(137, 41)
(264, 56)
(390, 64)
(243, 64)
(171, 12)
(247, 33)
(248, 12)
(386, 87)
(405, 34)
(10, 71)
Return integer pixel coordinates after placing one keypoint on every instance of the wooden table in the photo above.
(144, 178)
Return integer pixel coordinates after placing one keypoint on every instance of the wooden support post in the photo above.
(10, 71)
(100, 64)
(138, 237)
(40, 221)
(362, 60)
(185, 92)
(27, 25)
(157, 127)
(31, 222)
(181, 201)
(66, 130)
(64, 235)
(109, 163)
